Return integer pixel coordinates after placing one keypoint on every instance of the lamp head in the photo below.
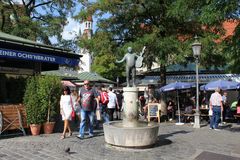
(196, 47)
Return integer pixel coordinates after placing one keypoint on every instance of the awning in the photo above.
(68, 83)
(203, 78)
(17, 52)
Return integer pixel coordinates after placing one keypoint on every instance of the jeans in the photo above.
(215, 117)
(84, 115)
(110, 113)
(104, 114)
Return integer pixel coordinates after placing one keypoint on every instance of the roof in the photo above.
(15, 40)
(89, 18)
(92, 77)
(78, 77)
(190, 67)
(203, 78)
(62, 72)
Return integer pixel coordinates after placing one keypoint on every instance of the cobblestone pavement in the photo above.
(174, 142)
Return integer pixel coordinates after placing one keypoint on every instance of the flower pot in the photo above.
(48, 127)
(35, 129)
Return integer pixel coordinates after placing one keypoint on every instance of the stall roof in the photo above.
(15, 41)
(17, 52)
(203, 78)
(78, 77)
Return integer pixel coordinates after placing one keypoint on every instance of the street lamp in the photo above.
(196, 47)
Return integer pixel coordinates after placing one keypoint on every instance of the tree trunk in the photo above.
(162, 75)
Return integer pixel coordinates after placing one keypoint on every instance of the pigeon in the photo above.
(67, 150)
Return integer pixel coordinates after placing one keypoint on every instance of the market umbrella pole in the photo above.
(179, 113)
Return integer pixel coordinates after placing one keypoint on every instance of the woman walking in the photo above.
(66, 105)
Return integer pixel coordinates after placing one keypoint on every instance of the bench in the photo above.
(12, 117)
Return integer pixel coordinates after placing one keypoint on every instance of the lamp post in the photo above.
(196, 47)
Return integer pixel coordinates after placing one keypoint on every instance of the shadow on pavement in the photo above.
(162, 139)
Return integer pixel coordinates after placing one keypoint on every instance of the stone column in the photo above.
(130, 110)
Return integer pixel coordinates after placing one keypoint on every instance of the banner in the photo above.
(6, 53)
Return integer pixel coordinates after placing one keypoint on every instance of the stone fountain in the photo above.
(130, 132)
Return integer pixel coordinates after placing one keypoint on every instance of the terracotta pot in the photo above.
(35, 129)
(48, 127)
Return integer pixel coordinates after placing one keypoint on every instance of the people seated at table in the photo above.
(233, 106)
(188, 111)
(163, 109)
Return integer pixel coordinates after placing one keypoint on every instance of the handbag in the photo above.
(73, 114)
(98, 114)
(210, 112)
(238, 110)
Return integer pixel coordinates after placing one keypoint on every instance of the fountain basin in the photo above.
(142, 135)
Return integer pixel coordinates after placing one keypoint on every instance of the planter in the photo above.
(35, 129)
(48, 127)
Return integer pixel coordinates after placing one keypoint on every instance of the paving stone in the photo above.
(174, 142)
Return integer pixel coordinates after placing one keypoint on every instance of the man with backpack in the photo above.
(104, 99)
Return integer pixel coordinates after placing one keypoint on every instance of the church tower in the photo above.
(86, 59)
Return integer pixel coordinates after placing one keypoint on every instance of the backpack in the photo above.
(104, 98)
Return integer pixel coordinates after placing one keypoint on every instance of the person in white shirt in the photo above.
(112, 104)
(66, 110)
(217, 107)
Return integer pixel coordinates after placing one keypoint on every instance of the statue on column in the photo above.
(133, 61)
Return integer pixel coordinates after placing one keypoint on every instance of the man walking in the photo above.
(87, 96)
(103, 102)
(111, 106)
(217, 107)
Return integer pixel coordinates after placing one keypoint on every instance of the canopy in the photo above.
(176, 86)
(221, 84)
(78, 77)
(68, 83)
(94, 77)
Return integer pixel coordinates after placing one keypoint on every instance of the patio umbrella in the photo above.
(221, 84)
(176, 86)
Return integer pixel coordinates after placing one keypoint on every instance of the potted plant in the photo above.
(49, 92)
(31, 101)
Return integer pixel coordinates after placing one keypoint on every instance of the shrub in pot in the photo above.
(31, 101)
(49, 92)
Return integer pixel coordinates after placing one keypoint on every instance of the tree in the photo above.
(36, 19)
(166, 27)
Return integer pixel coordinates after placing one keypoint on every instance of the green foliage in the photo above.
(41, 98)
(31, 101)
(36, 20)
(49, 92)
(166, 27)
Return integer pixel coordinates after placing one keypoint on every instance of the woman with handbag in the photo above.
(66, 109)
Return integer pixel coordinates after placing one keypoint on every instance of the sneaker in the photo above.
(80, 136)
(215, 129)
(210, 128)
(90, 135)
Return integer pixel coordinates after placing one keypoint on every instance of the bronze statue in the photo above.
(132, 61)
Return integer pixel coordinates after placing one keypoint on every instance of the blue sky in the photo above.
(71, 30)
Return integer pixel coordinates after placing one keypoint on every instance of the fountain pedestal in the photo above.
(130, 132)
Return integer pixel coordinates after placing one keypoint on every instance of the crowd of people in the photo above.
(86, 104)
(90, 102)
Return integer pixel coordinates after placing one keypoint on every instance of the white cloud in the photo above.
(71, 30)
